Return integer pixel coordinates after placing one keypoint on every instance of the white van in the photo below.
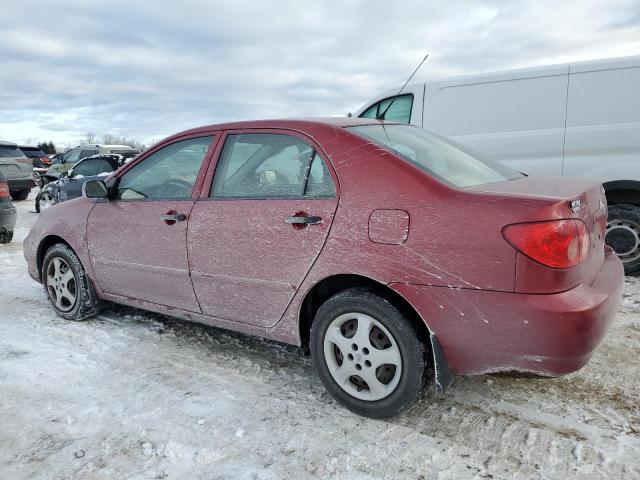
(579, 119)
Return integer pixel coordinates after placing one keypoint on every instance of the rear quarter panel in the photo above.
(454, 237)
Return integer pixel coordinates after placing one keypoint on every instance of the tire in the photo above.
(70, 294)
(20, 195)
(6, 236)
(44, 200)
(392, 343)
(623, 235)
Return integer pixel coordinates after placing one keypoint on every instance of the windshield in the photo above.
(437, 156)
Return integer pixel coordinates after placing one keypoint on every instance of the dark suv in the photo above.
(39, 160)
(69, 185)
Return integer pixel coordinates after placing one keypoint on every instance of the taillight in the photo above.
(556, 243)
(45, 160)
(4, 189)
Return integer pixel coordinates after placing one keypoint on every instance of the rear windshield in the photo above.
(10, 151)
(33, 152)
(440, 158)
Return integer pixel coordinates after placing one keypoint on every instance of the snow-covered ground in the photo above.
(134, 395)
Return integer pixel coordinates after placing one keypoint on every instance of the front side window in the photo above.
(399, 111)
(438, 157)
(270, 165)
(72, 156)
(169, 173)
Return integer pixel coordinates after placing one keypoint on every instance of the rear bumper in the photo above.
(21, 183)
(554, 334)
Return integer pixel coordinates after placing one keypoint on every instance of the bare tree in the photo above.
(90, 137)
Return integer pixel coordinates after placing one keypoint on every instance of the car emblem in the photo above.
(575, 205)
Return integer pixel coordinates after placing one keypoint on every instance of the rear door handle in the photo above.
(173, 217)
(306, 220)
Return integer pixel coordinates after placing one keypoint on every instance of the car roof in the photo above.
(284, 123)
(8, 144)
(100, 145)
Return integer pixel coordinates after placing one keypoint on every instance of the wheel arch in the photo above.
(334, 284)
(44, 245)
(622, 191)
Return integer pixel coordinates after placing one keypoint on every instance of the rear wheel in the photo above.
(66, 284)
(367, 354)
(623, 235)
(6, 236)
(19, 195)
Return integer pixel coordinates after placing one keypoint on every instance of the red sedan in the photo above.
(397, 257)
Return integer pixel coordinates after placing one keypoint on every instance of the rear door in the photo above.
(137, 241)
(260, 225)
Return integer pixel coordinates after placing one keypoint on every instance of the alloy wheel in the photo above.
(61, 284)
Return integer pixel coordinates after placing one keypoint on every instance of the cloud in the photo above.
(147, 69)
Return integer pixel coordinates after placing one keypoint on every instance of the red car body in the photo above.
(440, 249)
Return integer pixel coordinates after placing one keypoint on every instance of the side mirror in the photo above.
(95, 190)
(68, 173)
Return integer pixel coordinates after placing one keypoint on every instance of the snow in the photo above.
(136, 395)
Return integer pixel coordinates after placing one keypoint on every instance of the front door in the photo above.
(266, 218)
(137, 241)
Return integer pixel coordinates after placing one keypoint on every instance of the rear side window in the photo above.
(87, 153)
(10, 151)
(270, 166)
(436, 156)
(399, 111)
(87, 168)
(33, 152)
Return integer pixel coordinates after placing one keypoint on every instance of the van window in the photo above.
(436, 156)
(502, 106)
(607, 96)
(400, 110)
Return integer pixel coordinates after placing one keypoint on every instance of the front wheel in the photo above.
(44, 200)
(66, 284)
(623, 235)
(6, 236)
(368, 355)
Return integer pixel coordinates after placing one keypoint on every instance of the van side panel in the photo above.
(603, 122)
(517, 118)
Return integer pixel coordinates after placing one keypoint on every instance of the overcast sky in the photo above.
(147, 69)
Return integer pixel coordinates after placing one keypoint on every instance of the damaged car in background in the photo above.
(69, 185)
(396, 257)
(65, 161)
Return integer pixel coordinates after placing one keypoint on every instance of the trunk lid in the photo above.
(567, 198)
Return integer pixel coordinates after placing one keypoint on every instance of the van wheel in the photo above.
(20, 195)
(66, 284)
(6, 236)
(367, 354)
(623, 235)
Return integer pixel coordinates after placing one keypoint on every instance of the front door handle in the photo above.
(304, 220)
(172, 218)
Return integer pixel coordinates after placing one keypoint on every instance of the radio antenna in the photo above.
(381, 116)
